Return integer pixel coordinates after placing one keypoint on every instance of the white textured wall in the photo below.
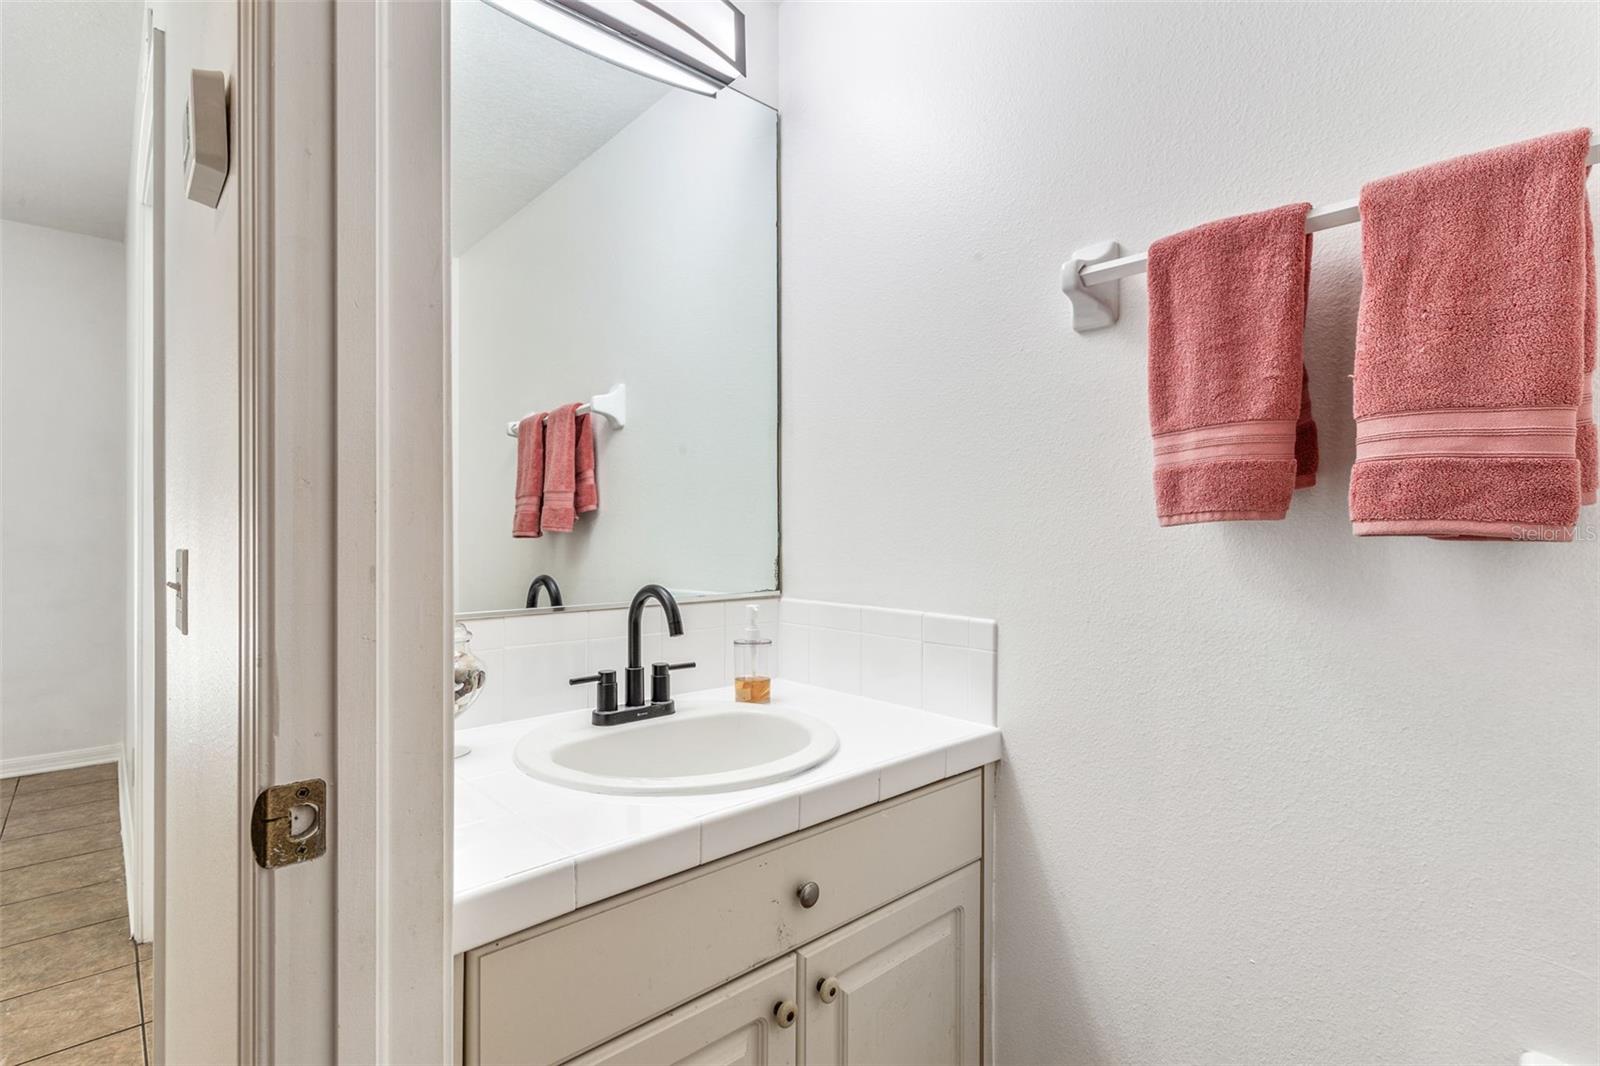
(1273, 793)
(64, 520)
(652, 263)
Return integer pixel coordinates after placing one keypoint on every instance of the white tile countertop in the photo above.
(527, 851)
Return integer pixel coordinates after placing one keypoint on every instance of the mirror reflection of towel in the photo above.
(586, 493)
(560, 469)
(530, 476)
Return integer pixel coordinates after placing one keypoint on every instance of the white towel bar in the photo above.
(611, 406)
(1099, 264)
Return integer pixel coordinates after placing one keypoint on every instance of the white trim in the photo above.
(255, 87)
(147, 593)
(60, 760)
(394, 773)
(127, 801)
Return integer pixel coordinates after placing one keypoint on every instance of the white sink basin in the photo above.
(716, 748)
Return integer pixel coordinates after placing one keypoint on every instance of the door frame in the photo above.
(394, 605)
(345, 524)
(147, 601)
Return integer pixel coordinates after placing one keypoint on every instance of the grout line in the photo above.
(115, 818)
(138, 984)
(138, 980)
(99, 921)
(86, 884)
(70, 980)
(57, 788)
(92, 1039)
(53, 832)
(74, 888)
(64, 806)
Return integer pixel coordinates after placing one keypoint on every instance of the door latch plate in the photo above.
(290, 823)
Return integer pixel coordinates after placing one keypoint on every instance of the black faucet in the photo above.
(635, 708)
(548, 583)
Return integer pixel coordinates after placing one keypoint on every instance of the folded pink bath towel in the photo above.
(530, 477)
(1474, 347)
(560, 454)
(1230, 406)
(586, 492)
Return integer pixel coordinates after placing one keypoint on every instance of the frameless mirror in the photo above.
(611, 237)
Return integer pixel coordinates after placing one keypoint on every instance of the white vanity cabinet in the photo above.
(752, 1021)
(901, 984)
(737, 962)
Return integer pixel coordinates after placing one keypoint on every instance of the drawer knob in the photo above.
(809, 893)
(785, 1013)
(827, 990)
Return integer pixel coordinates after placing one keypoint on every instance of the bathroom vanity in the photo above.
(859, 940)
(646, 870)
(836, 916)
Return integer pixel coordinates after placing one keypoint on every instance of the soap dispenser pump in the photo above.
(752, 676)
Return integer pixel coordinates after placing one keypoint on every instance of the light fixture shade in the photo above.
(692, 44)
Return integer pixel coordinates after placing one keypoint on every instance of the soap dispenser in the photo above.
(752, 676)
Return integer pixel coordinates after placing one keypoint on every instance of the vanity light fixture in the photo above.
(692, 44)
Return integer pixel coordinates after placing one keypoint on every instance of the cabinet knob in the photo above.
(808, 894)
(827, 990)
(785, 1013)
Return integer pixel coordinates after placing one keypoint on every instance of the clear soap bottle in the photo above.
(752, 672)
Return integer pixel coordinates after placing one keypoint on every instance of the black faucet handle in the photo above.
(606, 695)
(661, 683)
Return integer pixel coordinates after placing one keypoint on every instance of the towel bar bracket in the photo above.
(1097, 307)
(611, 406)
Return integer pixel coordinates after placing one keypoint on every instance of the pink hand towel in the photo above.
(560, 453)
(1474, 347)
(530, 477)
(1230, 406)
(586, 493)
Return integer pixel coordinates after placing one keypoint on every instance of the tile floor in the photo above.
(74, 989)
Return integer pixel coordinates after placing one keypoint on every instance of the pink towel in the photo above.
(1230, 406)
(586, 493)
(530, 477)
(560, 453)
(1475, 345)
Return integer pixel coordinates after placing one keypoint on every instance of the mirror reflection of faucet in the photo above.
(548, 583)
(635, 709)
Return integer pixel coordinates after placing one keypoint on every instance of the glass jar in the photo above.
(469, 677)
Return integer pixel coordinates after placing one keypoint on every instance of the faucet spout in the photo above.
(548, 583)
(635, 671)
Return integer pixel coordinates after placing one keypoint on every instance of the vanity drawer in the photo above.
(553, 991)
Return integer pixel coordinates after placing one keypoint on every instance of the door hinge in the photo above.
(290, 823)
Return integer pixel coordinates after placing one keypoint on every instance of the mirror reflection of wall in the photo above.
(609, 230)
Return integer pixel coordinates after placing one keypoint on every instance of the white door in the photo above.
(752, 1021)
(201, 920)
(900, 986)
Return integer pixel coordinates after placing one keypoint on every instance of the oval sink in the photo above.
(706, 749)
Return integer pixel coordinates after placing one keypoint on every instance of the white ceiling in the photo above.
(68, 81)
(524, 110)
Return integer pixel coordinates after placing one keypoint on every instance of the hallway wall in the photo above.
(64, 506)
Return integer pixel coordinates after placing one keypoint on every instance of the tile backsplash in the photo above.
(941, 663)
(529, 658)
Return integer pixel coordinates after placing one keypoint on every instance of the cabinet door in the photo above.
(735, 1025)
(899, 986)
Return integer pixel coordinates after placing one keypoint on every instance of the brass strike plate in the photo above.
(290, 823)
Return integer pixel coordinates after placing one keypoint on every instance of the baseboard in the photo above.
(60, 760)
